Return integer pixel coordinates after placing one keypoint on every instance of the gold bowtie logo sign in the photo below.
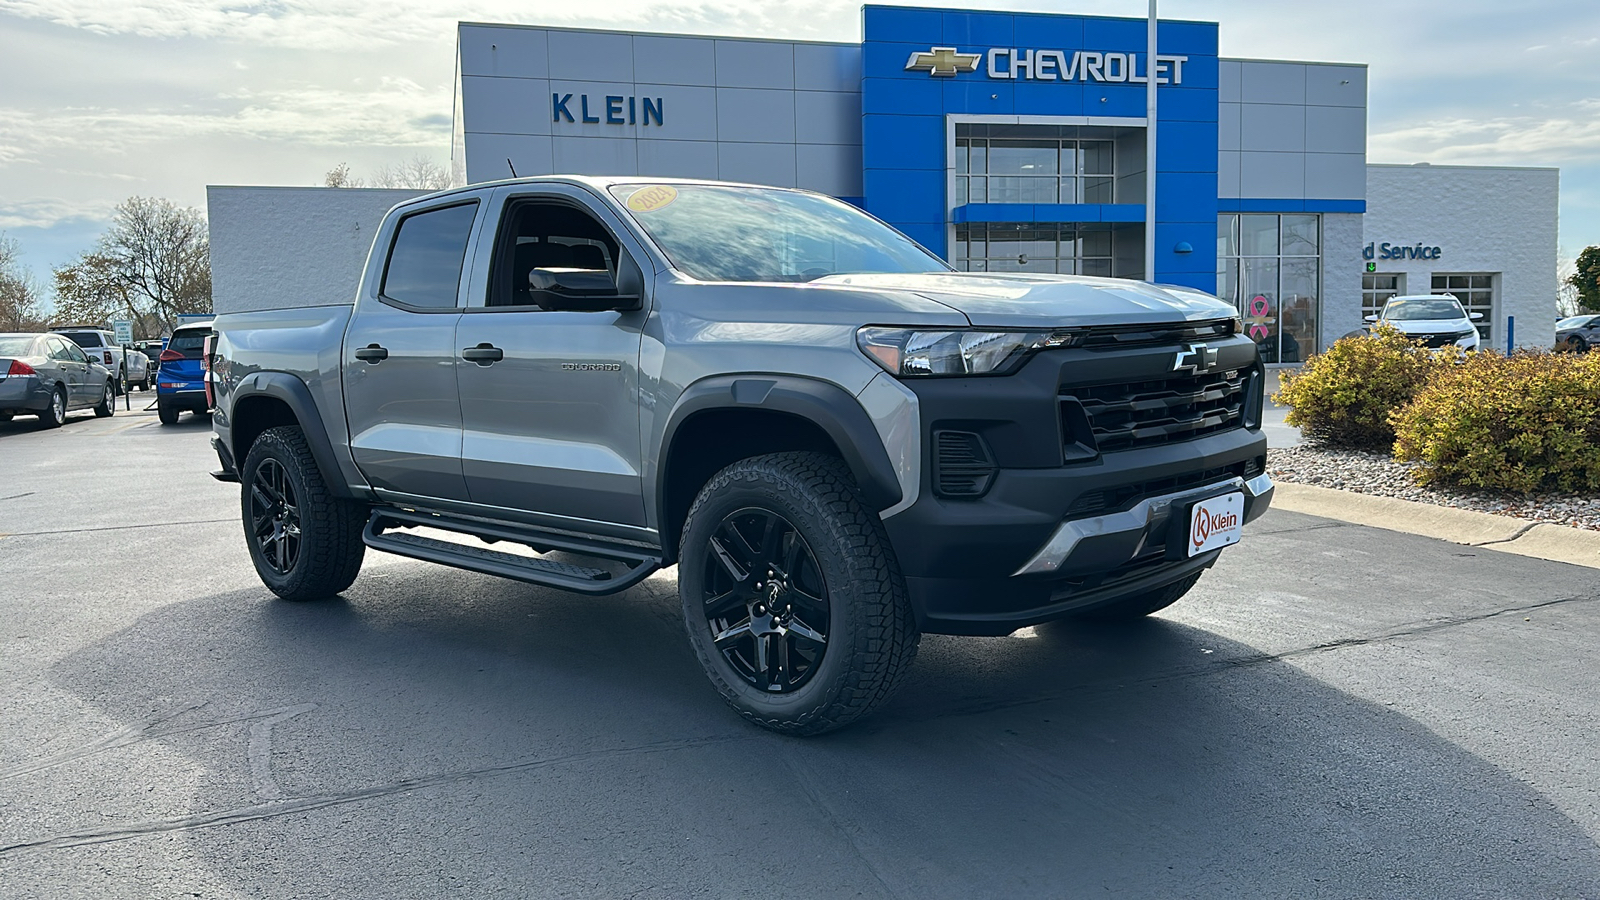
(943, 62)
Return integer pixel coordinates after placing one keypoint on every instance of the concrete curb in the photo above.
(1506, 534)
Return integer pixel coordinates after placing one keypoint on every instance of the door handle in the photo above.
(372, 353)
(485, 354)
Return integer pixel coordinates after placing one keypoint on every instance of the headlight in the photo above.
(906, 352)
(1467, 338)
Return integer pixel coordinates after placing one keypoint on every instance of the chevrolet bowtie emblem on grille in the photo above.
(943, 62)
(1196, 358)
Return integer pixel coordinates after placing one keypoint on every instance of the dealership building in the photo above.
(1003, 143)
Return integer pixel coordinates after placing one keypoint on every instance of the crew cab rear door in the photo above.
(399, 355)
(549, 397)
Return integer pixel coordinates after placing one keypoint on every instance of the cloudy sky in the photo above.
(103, 99)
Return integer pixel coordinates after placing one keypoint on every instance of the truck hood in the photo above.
(996, 300)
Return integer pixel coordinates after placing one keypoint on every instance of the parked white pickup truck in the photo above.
(131, 368)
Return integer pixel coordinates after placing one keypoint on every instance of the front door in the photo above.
(399, 360)
(551, 421)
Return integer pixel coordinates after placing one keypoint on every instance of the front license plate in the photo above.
(1216, 522)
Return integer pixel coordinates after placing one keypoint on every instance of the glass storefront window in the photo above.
(1053, 248)
(1376, 291)
(1269, 266)
(1258, 235)
(1476, 293)
(1032, 164)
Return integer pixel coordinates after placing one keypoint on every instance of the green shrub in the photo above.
(1522, 423)
(1344, 395)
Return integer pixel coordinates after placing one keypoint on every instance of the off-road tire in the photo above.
(167, 413)
(107, 407)
(330, 548)
(1136, 606)
(872, 634)
(53, 415)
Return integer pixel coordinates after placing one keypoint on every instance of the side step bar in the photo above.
(549, 573)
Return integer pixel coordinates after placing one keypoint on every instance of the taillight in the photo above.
(170, 356)
(108, 357)
(18, 367)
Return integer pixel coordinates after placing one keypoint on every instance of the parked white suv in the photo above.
(131, 368)
(1435, 319)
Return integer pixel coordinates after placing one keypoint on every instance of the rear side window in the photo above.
(85, 338)
(424, 267)
(189, 343)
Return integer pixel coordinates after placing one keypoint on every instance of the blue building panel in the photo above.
(905, 114)
(964, 29)
(1185, 146)
(921, 139)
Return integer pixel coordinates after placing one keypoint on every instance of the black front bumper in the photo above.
(964, 557)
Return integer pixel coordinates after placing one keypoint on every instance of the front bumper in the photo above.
(1053, 532)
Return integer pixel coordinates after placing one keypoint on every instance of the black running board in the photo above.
(548, 573)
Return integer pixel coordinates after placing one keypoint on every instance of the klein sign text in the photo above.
(612, 110)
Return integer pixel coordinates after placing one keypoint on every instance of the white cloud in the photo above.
(386, 111)
(1504, 140)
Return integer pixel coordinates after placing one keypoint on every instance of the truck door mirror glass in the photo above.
(579, 290)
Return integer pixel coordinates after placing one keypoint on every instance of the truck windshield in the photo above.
(717, 233)
(83, 338)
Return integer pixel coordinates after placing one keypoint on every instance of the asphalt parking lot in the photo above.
(1336, 711)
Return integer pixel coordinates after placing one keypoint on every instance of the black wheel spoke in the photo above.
(805, 632)
(721, 605)
(731, 565)
(728, 638)
(770, 624)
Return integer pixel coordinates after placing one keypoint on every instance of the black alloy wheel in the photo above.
(765, 600)
(275, 517)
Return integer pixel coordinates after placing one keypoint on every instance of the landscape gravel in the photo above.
(1377, 473)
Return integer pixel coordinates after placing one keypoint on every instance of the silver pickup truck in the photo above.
(841, 442)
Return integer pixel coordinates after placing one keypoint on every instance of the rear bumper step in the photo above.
(545, 572)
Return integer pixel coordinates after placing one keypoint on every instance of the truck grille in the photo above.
(1440, 339)
(1161, 411)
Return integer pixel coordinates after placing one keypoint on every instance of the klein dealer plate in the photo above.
(1215, 523)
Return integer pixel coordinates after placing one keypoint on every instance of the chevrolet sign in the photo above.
(1048, 65)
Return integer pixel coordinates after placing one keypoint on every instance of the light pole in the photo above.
(1150, 150)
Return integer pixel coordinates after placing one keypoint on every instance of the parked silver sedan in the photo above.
(48, 376)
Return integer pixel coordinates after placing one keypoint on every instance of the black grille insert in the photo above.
(1161, 411)
(962, 464)
(1123, 495)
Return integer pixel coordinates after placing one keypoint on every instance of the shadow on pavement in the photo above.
(440, 733)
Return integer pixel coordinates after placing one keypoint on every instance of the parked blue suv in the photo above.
(181, 381)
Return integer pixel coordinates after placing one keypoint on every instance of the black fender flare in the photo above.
(828, 406)
(294, 394)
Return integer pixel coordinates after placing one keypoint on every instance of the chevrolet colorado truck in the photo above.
(839, 441)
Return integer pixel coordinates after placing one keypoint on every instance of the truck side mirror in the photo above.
(1372, 318)
(1474, 316)
(587, 290)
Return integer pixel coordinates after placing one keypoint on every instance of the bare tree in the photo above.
(1566, 290)
(339, 177)
(417, 173)
(152, 264)
(21, 308)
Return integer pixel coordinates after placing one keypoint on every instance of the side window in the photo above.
(544, 234)
(424, 266)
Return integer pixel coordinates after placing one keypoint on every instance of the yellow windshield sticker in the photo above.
(652, 198)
